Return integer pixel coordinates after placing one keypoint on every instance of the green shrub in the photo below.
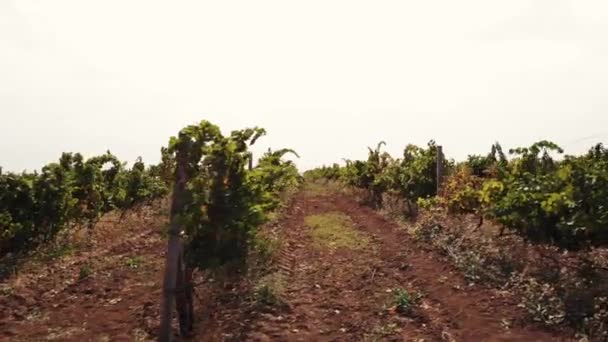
(34, 207)
(564, 203)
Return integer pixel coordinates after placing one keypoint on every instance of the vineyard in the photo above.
(212, 245)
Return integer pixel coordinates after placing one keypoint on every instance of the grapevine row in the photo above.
(545, 200)
(74, 191)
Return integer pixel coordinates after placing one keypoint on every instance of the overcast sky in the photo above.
(327, 78)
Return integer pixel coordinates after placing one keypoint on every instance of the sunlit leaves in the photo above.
(223, 201)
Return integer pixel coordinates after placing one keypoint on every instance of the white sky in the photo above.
(327, 78)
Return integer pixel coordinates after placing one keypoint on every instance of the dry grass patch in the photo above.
(335, 230)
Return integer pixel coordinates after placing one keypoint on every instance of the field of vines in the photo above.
(222, 192)
(530, 221)
(219, 197)
(74, 191)
(560, 202)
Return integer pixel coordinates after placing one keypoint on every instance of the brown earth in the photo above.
(328, 294)
(114, 299)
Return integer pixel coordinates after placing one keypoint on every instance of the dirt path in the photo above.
(343, 294)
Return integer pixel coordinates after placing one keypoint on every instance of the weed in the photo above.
(6, 290)
(426, 233)
(470, 263)
(270, 290)
(266, 249)
(141, 336)
(595, 326)
(404, 301)
(505, 264)
(427, 203)
(58, 251)
(380, 333)
(541, 301)
(62, 334)
(85, 271)
(265, 295)
(134, 262)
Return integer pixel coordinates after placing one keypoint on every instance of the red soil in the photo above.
(330, 295)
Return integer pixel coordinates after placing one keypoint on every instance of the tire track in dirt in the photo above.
(343, 295)
(332, 295)
(287, 260)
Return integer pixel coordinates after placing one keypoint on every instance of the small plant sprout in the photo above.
(404, 301)
(85, 271)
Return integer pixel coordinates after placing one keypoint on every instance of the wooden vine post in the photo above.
(440, 168)
(177, 284)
